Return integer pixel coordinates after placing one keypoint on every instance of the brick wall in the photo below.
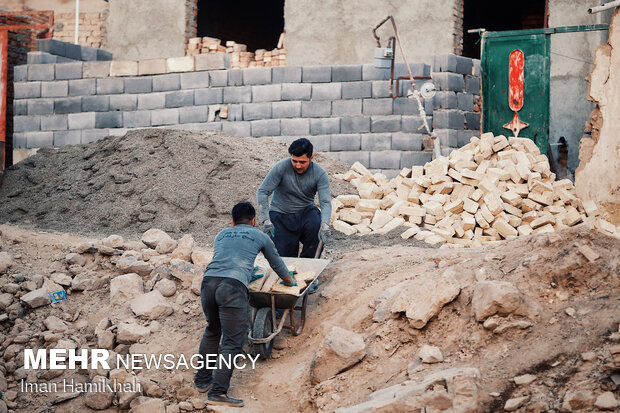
(92, 28)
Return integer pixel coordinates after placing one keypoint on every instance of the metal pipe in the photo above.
(604, 6)
(77, 20)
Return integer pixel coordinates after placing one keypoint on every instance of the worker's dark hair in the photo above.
(243, 213)
(300, 147)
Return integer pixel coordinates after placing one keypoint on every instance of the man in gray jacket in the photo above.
(224, 297)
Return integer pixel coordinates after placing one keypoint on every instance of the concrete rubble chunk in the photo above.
(151, 306)
(37, 298)
(340, 350)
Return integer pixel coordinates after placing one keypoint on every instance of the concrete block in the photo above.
(39, 139)
(124, 102)
(321, 109)
(472, 120)
(369, 72)
(286, 74)
(448, 81)
(218, 78)
(194, 80)
(477, 69)
(355, 125)
(428, 106)
(64, 71)
(349, 107)
(81, 120)
(40, 106)
(405, 106)
(465, 102)
(193, 114)
(257, 76)
(19, 141)
(445, 100)
(151, 101)
(324, 126)
(20, 73)
(151, 67)
(326, 91)
(348, 73)
(417, 69)
(235, 77)
(208, 96)
(93, 135)
(235, 112)
(110, 85)
(254, 111)
(377, 106)
(142, 84)
(346, 142)
(88, 54)
(266, 93)
(108, 120)
(295, 126)
(356, 90)
(123, 68)
(180, 64)
(240, 94)
(407, 141)
(296, 91)
(137, 119)
(117, 131)
(311, 74)
(320, 143)
(37, 58)
(27, 90)
(95, 69)
(56, 89)
(376, 141)
(212, 61)
(67, 137)
(103, 55)
(54, 122)
(95, 104)
(241, 129)
(447, 137)
(165, 117)
(164, 83)
(82, 87)
(26, 123)
(445, 63)
(20, 107)
(286, 109)
(73, 51)
(448, 119)
(464, 65)
(409, 159)
(415, 124)
(52, 46)
(179, 98)
(472, 85)
(351, 157)
(68, 105)
(41, 72)
(267, 127)
(464, 136)
(385, 124)
(385, 160)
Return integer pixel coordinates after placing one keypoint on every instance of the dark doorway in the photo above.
(494, 15)
(258, 24)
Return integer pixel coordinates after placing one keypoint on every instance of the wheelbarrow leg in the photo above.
(297, 330)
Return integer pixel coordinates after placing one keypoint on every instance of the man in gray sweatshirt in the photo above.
(224, 297)
(292, 216)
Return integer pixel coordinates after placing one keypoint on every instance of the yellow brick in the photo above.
(505, 229)
(545, 198)
(348, 200)
(590, 208)
(493, 203)
(486, 213)
(393, 224)
(512, 210)
(544, 219)
(572, 216)
(469, 223)
(344, 227)
(410, 232)
(470, 206)
(524, 229)
(360, 169)
(455, 207)
(380, 219)
(368, 205)
(350, 216)
(512, 198)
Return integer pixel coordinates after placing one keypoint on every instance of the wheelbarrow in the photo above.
(264, 305)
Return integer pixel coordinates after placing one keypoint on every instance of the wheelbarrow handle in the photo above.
(319, 250)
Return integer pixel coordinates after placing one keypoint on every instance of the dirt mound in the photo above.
(181, 182)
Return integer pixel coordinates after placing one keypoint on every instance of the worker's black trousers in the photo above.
(291, 229)
(225, 304)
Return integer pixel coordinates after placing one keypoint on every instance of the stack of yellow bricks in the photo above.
(240, 58)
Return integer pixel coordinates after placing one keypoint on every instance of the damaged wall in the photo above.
(598, 175)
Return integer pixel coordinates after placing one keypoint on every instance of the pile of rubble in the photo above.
(492, 189)
(240, 58)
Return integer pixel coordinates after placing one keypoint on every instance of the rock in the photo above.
(74, 258)
(524, 379)
(166, 245)
(99, 400)
(129, 333)
(130, 264)
(3, 407)
(184, 248)
(520, 324)
(166, 287)
(149, 405)
(51, 286)
(588, 356)
(159, 260)
(10, 288)
(125, 288)
(185, 393)
(197, 285)
(105, 250)
(430, 354)
(341, 349)
(606, 401)
(152, 389)
(132, 253)
(84, 247)
(37, 298)
(134, 245)
(186, 406)
(113, 241)
(577, 400)
(513, 404)
(82, 282)
(422, 298)
(499, 297)
(201, 258)
(152, 237)
(62, 279)
(197, 403)
(55, 324)
(105, 339)
(6, 262)
(570, 312)
(5, 300)
(184, 271)
(149, 253)
(151, 306)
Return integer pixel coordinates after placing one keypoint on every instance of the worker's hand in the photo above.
(256, 276)
(325, 233)
(268, 228)
(289, 281)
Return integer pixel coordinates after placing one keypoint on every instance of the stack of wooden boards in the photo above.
(240, 58)
(491, 189)
(271, 282)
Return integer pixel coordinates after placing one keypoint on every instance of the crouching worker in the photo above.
(224, 297)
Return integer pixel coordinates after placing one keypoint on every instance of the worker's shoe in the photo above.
(203, 388)
(314, 287)
(225, 401)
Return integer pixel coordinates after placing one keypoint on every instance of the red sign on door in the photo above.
(516, 77)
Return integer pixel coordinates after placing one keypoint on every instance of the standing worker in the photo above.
(224, 297)
(292, 216)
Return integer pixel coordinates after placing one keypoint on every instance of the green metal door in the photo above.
(496, 51)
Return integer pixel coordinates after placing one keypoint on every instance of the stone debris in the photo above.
(513, 404)
(99, 400)
(500, 297)
(125, 287)
(340, 350)
(114, 241)
(151, 306)
(524, 379)
(606, 401)
(129, 333)
(489, 190)
(37, 298)
(166, 287)
(430, 354)
(6, 261)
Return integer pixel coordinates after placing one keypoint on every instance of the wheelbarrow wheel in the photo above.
(263, 327)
